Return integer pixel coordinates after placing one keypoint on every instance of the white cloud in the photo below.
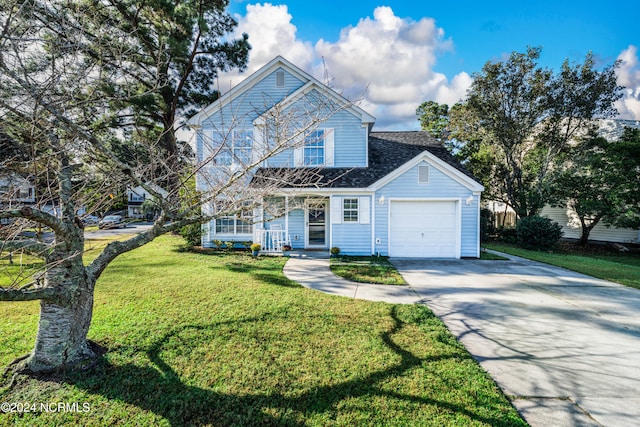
(271, 33)
(385, 60)
(629, 77)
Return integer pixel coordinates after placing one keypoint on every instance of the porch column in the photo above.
(286, 214)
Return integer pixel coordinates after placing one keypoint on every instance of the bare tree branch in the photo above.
(36, 215)
(29, 295)
(30, 247)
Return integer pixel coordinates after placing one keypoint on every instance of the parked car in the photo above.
(112, 221)
(90, 219)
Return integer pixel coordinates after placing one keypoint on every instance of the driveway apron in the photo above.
(564, 347)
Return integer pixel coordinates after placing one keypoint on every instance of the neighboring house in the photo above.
(612, 130)
(503, 215)
(572, 229)
(137, 196)
(399, 194)
(15, 191)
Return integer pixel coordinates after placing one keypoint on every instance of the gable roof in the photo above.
(331, 95)
(265, 70)
(388, 152)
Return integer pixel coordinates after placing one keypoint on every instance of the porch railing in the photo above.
(271, 241)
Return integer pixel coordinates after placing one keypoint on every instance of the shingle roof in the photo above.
(387, 152)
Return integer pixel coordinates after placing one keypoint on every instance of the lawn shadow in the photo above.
(276, 279)
(160, 390)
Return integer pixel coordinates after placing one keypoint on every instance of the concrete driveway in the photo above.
(563, 346)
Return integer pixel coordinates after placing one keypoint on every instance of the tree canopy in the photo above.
(89, 95)
(519, 118)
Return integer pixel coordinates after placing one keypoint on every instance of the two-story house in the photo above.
(337, 182)
(137, 196)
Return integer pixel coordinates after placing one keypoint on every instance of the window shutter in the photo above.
(329, 145)
(364, 204)
(336, 210)
(298, 157)
(258, 151)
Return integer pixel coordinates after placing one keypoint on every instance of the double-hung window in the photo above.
(314, 149)
(350, 210)
(233, 147)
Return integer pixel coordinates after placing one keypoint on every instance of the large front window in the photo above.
(314, 146)
(233, 147)
(233, 223)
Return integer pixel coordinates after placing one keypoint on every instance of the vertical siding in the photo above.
(440, 186)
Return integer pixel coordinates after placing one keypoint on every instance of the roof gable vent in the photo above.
(423, 174)
(280, 79)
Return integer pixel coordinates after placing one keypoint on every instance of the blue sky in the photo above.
(397, 54)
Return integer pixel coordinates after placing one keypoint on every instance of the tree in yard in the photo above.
(599, 181)
(90, 91)
(459, 129)
(434, 118)
(529, 116)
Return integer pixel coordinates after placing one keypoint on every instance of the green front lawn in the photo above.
(623, 268)
(225, 339)
(366, 269)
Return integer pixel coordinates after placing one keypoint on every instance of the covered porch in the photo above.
(299, 222)
(272, 241)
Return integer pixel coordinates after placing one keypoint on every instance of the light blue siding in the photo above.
(253, 103)
(240, 113)
(297, 228)
(349, 135)
(440, 186)
(349, 142)
(352, 239)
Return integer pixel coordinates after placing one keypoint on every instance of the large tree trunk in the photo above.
(61, 342)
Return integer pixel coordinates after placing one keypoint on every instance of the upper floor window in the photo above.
(233, 147)
(314, 149)
(317, 150)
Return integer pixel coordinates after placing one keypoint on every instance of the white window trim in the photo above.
(337, 209)
(236, 218)
(329, 150)
(355, 209)
(231, 139)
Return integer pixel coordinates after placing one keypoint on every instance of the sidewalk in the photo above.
(311, 270)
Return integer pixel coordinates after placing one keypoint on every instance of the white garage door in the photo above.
(424, 229)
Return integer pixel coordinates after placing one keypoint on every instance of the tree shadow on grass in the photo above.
(159, 389)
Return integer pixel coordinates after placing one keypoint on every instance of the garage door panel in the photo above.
(425, 229)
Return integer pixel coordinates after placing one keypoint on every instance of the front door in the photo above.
(316, 224)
